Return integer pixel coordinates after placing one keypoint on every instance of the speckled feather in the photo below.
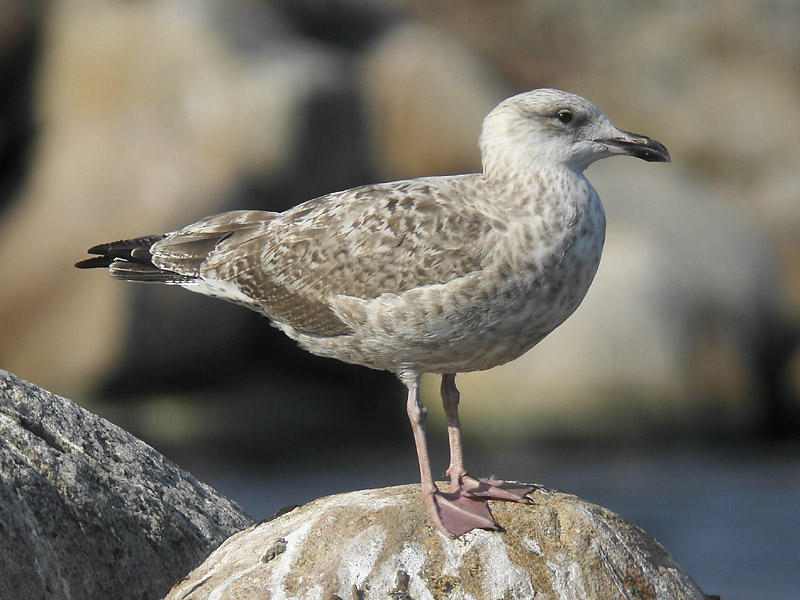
(437, 274)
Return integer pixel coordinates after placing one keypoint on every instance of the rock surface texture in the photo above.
(381, 544)
(89, 511)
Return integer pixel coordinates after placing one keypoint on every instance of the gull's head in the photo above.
(552, 126)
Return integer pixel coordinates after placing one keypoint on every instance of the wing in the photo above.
(187, 250)
(175, 257)
(364, 242)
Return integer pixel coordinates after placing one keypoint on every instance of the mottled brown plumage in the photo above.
(438, 274)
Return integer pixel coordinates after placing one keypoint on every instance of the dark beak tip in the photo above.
(640, 146)
(661, 155)
(659, 152)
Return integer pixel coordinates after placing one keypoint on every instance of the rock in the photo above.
(381, 544)
(89, 511)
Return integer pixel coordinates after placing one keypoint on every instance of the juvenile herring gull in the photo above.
(431, 275)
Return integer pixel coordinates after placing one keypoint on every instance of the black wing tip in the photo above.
(100, 248)
(136, 250)
(95, 262)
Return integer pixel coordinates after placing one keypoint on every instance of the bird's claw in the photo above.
(495, 489)
(456, 513)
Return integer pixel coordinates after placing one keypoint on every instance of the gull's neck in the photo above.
(538, 187)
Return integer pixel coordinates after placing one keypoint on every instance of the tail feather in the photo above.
(134, 250)
(186, 254)
(131, 260)
(131, 271)
(95, 262)
(178, 256)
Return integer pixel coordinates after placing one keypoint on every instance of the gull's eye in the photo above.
(564, 115)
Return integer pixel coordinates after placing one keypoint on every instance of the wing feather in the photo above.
(364, 242)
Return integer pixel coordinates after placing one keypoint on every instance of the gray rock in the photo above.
(89, 511)
(381, 544)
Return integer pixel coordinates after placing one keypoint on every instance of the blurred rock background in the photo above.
(125, 118)
(672, 395)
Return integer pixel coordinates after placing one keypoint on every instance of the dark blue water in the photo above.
(730, 516)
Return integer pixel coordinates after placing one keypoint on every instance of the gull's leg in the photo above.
(453, 514)
(450, 399)
(460, 480)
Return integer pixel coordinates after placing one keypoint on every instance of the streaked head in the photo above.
(554, 126)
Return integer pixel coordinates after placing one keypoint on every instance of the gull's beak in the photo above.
(633, 144)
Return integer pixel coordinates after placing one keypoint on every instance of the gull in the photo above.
(443, 275)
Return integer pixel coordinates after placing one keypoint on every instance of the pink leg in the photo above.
(460, 480)
(453, 514)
